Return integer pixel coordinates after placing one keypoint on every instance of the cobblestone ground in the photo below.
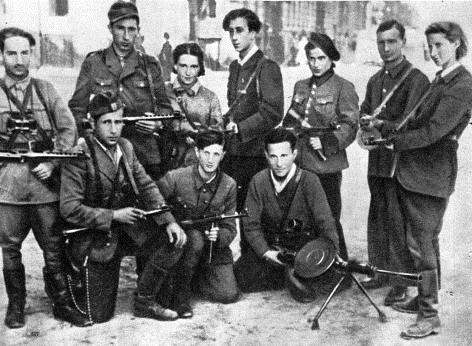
(273, 318)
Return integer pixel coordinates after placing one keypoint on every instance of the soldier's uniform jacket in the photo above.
(261, 109)
(102, 72)
(192, 198)
(427, 150)
(334, 101)
(18, 185)
(399, 105)
(79, 191)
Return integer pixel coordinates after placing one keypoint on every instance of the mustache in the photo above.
(18, 65)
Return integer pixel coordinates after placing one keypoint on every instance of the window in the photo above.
(58, 7)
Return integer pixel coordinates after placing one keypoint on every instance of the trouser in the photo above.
(242, 169)
(101, 279)
(331, 183)
(15, 224)
(418, 221)
(215, 281)
(378, 222)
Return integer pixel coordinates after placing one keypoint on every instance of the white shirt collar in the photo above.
(280, 185)
(448, 70)
(118, 153)
(249, 54)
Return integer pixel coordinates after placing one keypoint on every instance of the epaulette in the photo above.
(93, 53)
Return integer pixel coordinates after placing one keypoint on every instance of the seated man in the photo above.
(202, 190)
(102, 194)
(276, 195)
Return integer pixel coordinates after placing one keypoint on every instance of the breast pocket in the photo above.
(325, 104)
(103, 85)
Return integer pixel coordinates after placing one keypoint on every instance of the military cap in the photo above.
(325, 44)
(122, 10)
(102, 104)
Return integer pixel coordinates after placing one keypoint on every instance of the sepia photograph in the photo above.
(235, 173)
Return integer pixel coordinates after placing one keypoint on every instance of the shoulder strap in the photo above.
(151, 82)
(258, 74)
(129, 173)
(287, 211)
(98, 182)
(52, 120)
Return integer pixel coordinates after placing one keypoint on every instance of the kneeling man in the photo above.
(203, 190)
(103, 195)
(276, 195)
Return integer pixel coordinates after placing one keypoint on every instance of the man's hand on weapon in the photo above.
(232, 126)
(43, 171)
(212, 233)
(128, 215)
(315, 143)
(271, 257)
(148, 126)
(176, 235)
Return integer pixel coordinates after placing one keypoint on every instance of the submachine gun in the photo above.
(210, 220)
(319, 255)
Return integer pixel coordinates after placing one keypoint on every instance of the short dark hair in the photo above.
(452, 31)
(253, 22)
(392, 23)
(280, 135)
(12, 32)
(190, 48)
(209, 137)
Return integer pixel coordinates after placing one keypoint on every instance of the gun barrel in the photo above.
(409, 276)
(210, 219)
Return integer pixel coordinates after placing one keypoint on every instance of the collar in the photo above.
(397, 70)
(448, 70)
(199, 182)
(280, 185)
(22, 84)
(118, 153)
(318, 81)
(110, 55)
(249, 54)
(176, 85)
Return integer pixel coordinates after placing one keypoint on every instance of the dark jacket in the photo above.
(186, 190)
(427, 150)
(102, 72)
(399, 105)
(259, 111)
(78, 192)
(334, 101)
(309, 205)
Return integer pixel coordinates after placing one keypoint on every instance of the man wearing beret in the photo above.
(134, 77)
(108, 195)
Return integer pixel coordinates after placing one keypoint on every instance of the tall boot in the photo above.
(182, 292)
(145, 304)
(57, 289)
(16, 291)
(427, 322)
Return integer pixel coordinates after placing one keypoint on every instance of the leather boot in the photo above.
(182, 292)
(409, 307)
(145, 304)
(56, 287)
(16, 291)
(427, 322)
(397, 294)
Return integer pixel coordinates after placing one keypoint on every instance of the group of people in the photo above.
(205, 163)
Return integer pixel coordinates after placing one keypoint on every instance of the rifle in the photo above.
(127, 120)
(210, 220)
(27, 156)
(306, 130)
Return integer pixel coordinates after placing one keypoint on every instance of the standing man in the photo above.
(276, 195)
(255, 97)
(107, 194)
(29, 193)
(136, 78)
(390, 42)
(200, 190)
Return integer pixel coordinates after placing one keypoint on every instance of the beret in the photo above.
(325, 44)
(102, 104)
(122, 10)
